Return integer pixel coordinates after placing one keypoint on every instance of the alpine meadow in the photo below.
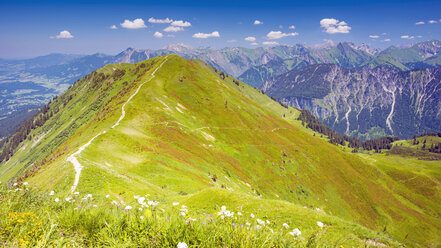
(267, 142)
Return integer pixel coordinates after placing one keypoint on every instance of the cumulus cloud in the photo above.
(63, 35)
(374, 36)
(387, 40)
(409, 37)
(257, 22)
(270, 43)
(135, 24)
(173, 29)
(254, 44)
(419, 23)
(292, 27)
(432, 21)
(334, 26)
(158, 35)
(113, 27)
(153, 20)
(250, 38)
(181, 23)
(206, 35)
(273, 35)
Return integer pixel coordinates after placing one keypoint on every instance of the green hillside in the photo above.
(195, 135)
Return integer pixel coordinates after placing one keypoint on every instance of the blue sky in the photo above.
(31, 28)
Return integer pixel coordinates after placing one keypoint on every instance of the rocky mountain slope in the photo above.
(172, 128)
(369, 102)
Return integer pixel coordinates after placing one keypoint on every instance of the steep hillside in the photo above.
(175, 128)
(367, 103)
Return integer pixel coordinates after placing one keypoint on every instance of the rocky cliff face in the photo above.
(366, 103)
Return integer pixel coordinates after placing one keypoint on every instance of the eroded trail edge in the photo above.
(73, 158)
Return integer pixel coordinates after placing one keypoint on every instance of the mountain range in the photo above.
(28, 84)
(180, 130)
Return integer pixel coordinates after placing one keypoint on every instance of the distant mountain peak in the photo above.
(178, 47)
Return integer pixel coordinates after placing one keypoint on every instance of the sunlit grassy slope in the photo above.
(192, 135)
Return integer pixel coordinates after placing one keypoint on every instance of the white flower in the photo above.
(184, 210)
(182, 245)
(320, 224)
(239, 213)
(140, 209)
(68, 198)
(252, 215)
(57, 200)
(142, 217)
(141, 200)
(136, 196)
(128, 208)
(94, 206)
(88, 195)
(295, 232)
(52, 193)
(107, 196)
(114, 202)
(285, 225)
(183, 206)
(77, 193)
(152, 203)
(175, 203)
(248, 224)
(182, 213)
(25, 183)
(15, 184)
(267, 222)
(261, 222)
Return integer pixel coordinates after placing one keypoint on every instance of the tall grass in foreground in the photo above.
(33, 219)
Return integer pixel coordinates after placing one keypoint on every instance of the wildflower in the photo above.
(107, 196)
(128, 208)
(225, 213)
(77, 193)
(252, 215)
(25, 183)
(57, 200)
(295, 232)
(239, 213)
(68, 198)
(94, 206)
(182, 245)
(141, 200)
(285, 225)
(175, 203)
(88, 195)
(152, 203)
(114, 202)
(182, 213)
(52, 193)
(267, 222)
(248, 224)
(320, 224)
(136, 196)
(261, 222)
(15, 184)
(234, 224)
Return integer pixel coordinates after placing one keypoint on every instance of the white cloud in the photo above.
(419, 36)
(270, 43)
(206, 35)
(254, 44)
(166, 20)
(113, 27)
(62, 35)
(257, 22)
(135, 24)
(231, 41)
(409, 37)
(387, 40)
(419, 23)
(432, 21)
(384, 34)
(334, 26)
(273, 35)
(374, 36)
(158, 35)
(292, 27)
(250, 38)
(173, 29)
(181, 23)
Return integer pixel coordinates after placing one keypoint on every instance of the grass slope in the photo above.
(190, 131)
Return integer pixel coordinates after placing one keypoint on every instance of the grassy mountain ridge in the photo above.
(192, 128)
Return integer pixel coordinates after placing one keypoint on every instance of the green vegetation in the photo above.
(39, 219)
(195, 135)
